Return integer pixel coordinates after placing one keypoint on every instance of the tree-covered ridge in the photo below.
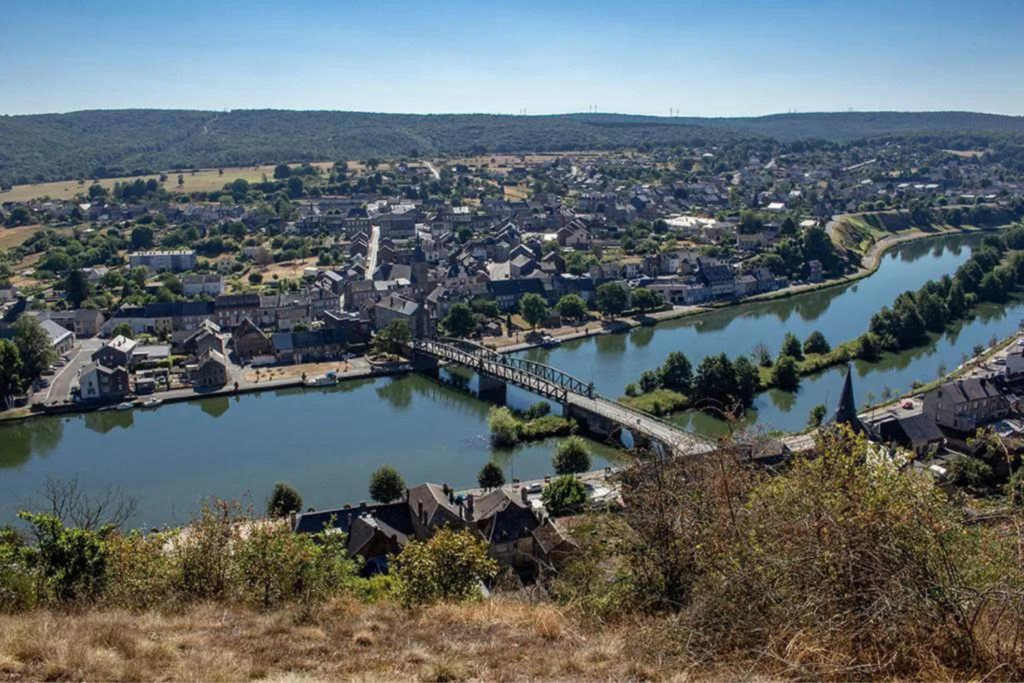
(128, 142)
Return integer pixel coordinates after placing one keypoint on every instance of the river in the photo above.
(326, 442)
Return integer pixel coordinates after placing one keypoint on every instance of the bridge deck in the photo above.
(555, 384)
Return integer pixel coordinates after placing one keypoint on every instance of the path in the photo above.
(371, 251)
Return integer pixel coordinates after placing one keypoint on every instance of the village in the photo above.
(327, 273)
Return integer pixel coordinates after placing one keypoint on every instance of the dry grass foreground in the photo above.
(498, 640)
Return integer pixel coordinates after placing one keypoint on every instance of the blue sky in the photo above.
(724, 58)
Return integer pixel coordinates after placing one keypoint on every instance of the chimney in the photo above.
(362, 505)
(522, 494)
(407, 495)
(469, 503)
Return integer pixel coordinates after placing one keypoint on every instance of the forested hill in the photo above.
(118, 142)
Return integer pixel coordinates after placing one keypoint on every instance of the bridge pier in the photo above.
(597, 425)
(492, 390)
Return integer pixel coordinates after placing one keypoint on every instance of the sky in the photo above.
(689, 57)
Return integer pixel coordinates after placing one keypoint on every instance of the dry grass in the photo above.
(287, 269)
(204, 180)
(497, 640)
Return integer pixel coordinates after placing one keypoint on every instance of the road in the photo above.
(371, 251)
(59, 390)
(433, 169)
(665, 433)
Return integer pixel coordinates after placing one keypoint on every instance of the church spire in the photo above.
(846, 411)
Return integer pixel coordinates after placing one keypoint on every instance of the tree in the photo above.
(676, 373)
(448, 567)
(76, 287)
(817, 415)
(715, 380)
(646, 300)
(791, 347)
(785, 375)
(142, 237)
(816, 343)
(747, 382)
(612, 298)
(572, 306)
(967, 471)
(10, 371)
(296, 187)
(571, 456)
(283, 500)
(386, 484)
(534, 309)
(490, 476)
(565, 495)
(460, 321)
(34, 346)
(394, 334)
(123, 330)
(282, 171)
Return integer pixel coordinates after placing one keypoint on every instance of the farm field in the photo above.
(203, 180)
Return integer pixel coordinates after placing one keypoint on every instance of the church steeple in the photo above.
(846, 411)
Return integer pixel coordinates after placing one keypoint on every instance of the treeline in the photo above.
(136, 142)
(720, 384)
(988, 275)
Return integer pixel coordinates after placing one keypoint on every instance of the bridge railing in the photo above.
(472, 355)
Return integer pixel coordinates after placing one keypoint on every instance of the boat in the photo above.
(550, 342)
(127, 405)
(152, 402)
(322, 381)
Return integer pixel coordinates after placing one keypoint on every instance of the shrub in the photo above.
(565, 495)
(505, 428)
(538, 409)
(202, 552)
(446, 568)
(284, 499)
(967, 471)
(571, 456)
(386, 484)
(276, 565)
(71, 560)
(140, 570)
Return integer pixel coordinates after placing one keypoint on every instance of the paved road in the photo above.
(437, 174)
(371, 251)
(61, 384)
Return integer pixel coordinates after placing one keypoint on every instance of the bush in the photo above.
(967, 471)
(386, 484)
(72, 561)
(505, 428)
(140, 571)
(277, 565)
(283, 500)
(202, 552)
(538, 409)
(446, 568)
(572, 456)
(565, 495)
(546, 427)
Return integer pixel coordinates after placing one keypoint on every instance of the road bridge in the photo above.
(581, 401)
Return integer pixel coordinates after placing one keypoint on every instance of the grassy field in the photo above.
(12, 237)
(204, 180)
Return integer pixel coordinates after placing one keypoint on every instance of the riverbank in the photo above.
(870, 262)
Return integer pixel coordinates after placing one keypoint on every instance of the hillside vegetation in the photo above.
(844, 566)
(43, 147)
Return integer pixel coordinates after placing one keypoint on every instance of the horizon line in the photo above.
(517, 115)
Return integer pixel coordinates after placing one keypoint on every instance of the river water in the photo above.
(326, 442)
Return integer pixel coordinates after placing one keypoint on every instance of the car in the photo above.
(535, 488)
(1000, 361)
(43, 382)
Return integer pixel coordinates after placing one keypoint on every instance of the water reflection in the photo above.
(103, 421)
(24, 439)
(215, 406)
